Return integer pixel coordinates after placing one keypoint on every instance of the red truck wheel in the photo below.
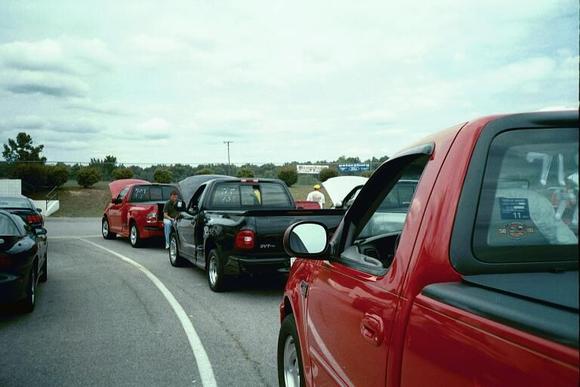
(106, 230)
(134, 237)
(290, 370)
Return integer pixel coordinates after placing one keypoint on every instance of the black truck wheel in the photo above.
(290, 370)
(174, 258)
(215, 272)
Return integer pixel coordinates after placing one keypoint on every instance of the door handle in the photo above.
(372, 329)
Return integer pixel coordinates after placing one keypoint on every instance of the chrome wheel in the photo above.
(105, 229)
(213, 271)
(133, 235)
(291, 365)
(173, 251)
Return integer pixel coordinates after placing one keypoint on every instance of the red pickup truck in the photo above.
(136, 210)
(477, 285)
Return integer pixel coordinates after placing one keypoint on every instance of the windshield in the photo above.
(148, 193)
(234, 195)
(8, 202)
(529, 198)
(7, 226)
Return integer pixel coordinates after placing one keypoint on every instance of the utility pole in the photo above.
(229, 163)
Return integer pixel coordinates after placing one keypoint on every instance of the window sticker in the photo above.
(516, 230)
(514, 208)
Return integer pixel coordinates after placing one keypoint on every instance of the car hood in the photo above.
(116, 186)
(338, 187)
(189, 185)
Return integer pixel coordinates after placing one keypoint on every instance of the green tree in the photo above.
(204, 171)
(327, 173)
(74, 170)
(33, 176)
(121, 173)
(348, 160)
(105, 165)
(88, 176)
(245, 172)
(288, 175)
(22, 149)
(162, 175)
(56, 175)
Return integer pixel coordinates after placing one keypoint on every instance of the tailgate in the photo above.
(270, 226)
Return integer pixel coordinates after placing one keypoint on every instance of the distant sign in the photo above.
(310, 169)
(360, 167)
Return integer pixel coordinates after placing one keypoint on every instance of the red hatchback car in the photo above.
(477, 284)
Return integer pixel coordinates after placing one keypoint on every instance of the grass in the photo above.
(76, 201)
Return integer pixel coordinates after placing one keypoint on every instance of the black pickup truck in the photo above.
(230, 226)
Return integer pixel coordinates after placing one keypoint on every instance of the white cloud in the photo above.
(43, 83)
(285, 81)
(153, 129)
(71, 56)
(58, 68)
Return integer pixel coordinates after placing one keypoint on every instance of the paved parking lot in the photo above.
(102, 321)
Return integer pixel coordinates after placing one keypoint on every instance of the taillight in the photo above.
(151, 217)
(245, 240)
(34, 219)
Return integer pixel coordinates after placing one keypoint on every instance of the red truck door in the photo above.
(115, 211)
(352, 299)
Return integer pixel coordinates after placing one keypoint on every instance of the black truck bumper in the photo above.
(238, 264)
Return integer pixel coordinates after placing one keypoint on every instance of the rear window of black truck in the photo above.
(236, 195)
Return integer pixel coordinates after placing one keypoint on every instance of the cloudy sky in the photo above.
(169, 81)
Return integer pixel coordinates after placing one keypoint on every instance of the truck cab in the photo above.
(232, 226)
(478, 284)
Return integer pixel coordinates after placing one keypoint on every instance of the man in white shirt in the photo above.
(316, 196)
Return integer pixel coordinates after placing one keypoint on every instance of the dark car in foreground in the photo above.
(24, 208)
(233, 226)
(23, 261)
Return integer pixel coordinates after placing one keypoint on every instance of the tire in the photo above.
(216, 278)
(105, 230)
(43, 277)
(290, 369)
(174, 258)
(29, 301)
(134, 237)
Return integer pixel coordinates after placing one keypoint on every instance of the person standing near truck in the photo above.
(316, 196)
(169, 215)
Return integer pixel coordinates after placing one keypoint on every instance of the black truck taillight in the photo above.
(245, 240)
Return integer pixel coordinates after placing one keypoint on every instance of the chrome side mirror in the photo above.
(306, 240)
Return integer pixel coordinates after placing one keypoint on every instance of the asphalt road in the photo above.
(101, 321)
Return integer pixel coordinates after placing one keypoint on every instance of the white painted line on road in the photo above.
(74, 237)
(203, 364)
